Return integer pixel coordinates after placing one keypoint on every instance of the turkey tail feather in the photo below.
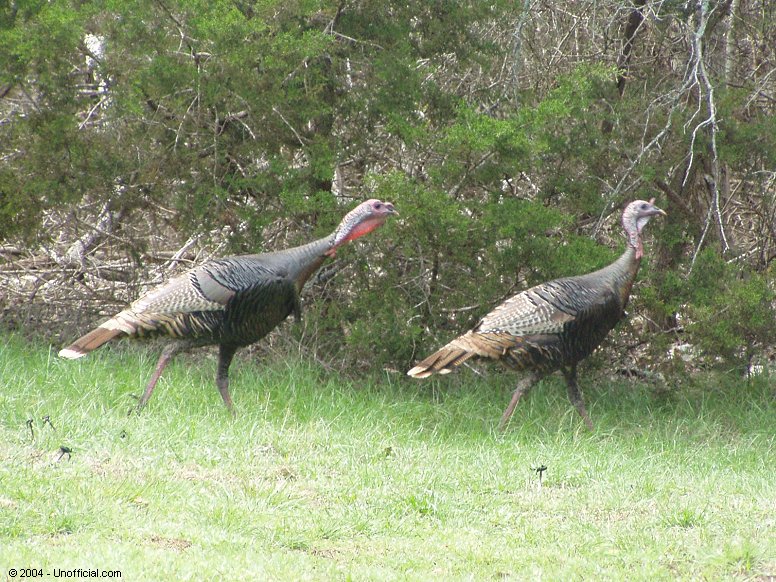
(91, 341)
(441, 362)
(470, 345)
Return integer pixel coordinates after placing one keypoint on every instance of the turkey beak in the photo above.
(655, 209)
(391, 210)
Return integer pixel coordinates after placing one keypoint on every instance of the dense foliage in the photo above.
(139, 135)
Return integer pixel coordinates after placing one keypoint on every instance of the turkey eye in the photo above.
(643, 206)
(378, 205)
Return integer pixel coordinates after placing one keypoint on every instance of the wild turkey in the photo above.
(555, 325)
(231, 302)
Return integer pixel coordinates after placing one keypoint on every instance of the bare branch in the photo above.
(701, 77)
(106, 222)
(635, 20)
(296, 133)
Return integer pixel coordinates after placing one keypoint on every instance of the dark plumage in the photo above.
(555, 325)
(231, 302)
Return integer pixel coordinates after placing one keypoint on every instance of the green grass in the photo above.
(324, 478)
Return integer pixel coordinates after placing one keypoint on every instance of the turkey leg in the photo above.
(168, 353)
(575, 395)
(523, 386)
(225, 355)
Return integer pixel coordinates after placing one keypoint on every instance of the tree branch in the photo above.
(635, 20)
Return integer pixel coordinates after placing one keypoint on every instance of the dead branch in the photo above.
(107, 221)
(635, 20)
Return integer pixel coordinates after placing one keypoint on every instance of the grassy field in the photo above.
(323, 478)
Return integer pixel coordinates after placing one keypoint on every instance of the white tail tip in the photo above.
(419, 372)
(71, 354)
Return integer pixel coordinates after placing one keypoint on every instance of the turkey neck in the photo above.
(302, 261)
(622, 273)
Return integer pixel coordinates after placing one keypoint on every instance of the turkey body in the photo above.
(552, 326)
(235, 301)
(230, 302)
(557, 323)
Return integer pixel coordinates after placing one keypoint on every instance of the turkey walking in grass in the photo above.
(231, 302)
(552, 326)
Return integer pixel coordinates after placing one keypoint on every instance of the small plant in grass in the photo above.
(742, 555)
(685, 517)
(423, 503)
